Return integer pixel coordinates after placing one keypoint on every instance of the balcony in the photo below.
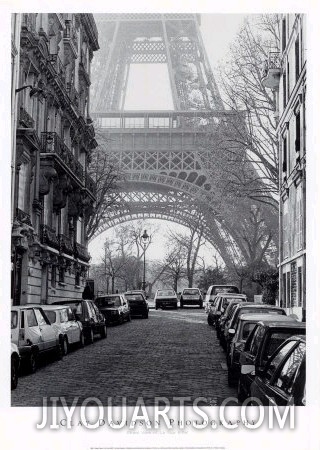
(83, 68)
(70, 37)
(23, 217)
(66, 244)
(90, 184)
(73, 95)
(25, 120)
(81, 252)
(271, 71)
(58, 66)
(52, 143)
(49, 237)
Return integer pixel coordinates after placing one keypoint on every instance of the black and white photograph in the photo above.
(159, 227)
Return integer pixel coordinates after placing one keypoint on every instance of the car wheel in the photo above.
(14, 373)
(90, 337)
(81, 341)
(64, 345)
(103, 333)
(231, 378)
(59, 351)
(129, 318)
(33, 362)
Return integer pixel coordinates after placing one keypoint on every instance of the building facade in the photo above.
(52, 139)
(286, 74)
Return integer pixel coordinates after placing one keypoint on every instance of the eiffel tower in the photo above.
(167, 176)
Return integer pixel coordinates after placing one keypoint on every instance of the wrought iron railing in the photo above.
(73, 94)
(49, 237)
(58, 66)
(81, 252)
(23, 217)
(29, 21)
(273, 62)
(25, 119)
(66, 244)
(163, 119)
(52, 143)
(70, 33)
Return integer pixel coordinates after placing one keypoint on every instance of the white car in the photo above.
(33, 334)
(166, 297)
(15, 365)
(69, 329)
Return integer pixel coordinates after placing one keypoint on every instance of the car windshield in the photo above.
(51, 316)
(190, 292)
(14, 319)
(134, 297)
(225, 289)
(108, 302)
(76, 307)
(166, 293)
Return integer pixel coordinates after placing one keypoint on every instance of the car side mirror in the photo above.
(232, 331)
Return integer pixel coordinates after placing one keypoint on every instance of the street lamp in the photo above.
(145, 239)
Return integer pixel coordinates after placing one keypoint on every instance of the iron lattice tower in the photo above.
(167, 170)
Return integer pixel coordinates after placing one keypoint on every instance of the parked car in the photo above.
(264, 339)
(15, 365)
(93, 322)
(137, 303)
(215, 289)
(70, 329)
(220, 305)
(209, 303)
(33, 334)
(246, 324)
(283, 380)
(165, 297)
(220, 323)
(191, 296)
(114, 307)
(247, 308)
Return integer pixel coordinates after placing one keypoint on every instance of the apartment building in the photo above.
(52, 139)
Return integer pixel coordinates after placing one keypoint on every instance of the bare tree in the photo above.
(106, 174)
(251, 142)
(190, 244)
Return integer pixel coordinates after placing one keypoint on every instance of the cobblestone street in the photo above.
(172, 354)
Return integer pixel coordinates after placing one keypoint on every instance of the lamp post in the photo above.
(145, 239)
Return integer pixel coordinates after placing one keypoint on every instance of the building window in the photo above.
(61, 274)
(23, 186)
(284, 155)
(288, 81)
(79, 230)
(53, 276)
(77, 278)
(284, 292)
(285, 230)
(288, 290)
(284, 89)
(297, 58)
(298, 126)
(284, 34)
(299, 218)
(299, 287)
